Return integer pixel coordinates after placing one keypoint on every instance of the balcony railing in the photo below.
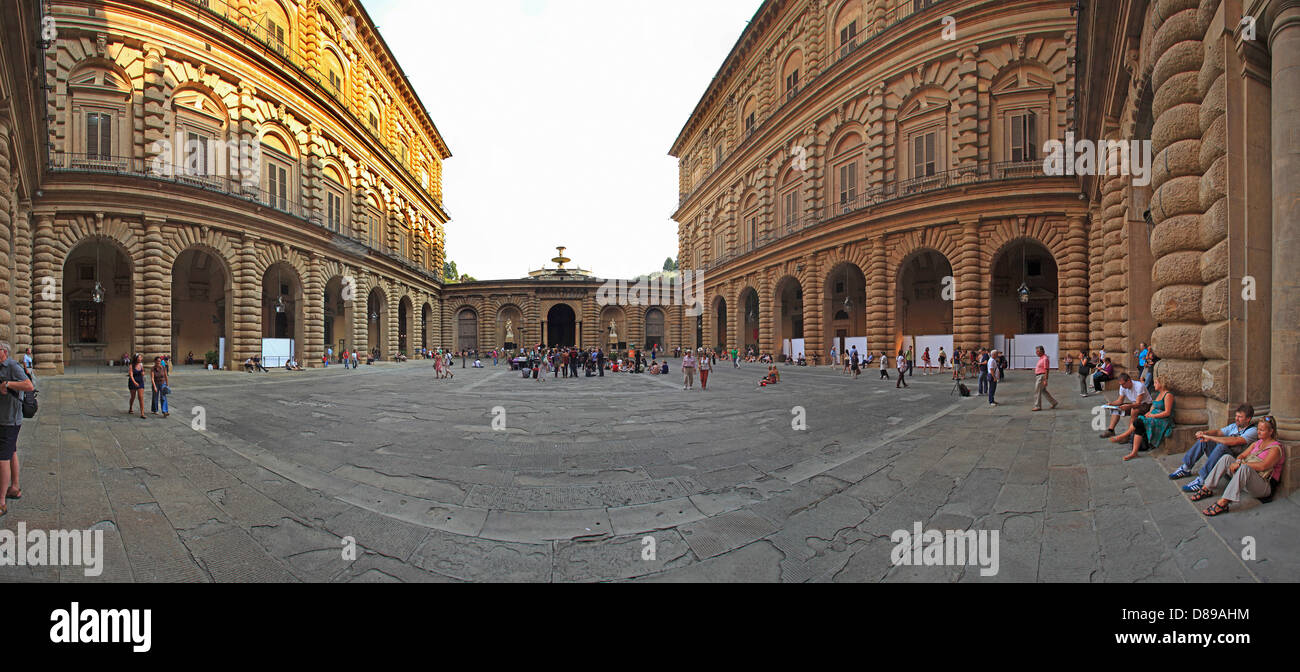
(64, 162)
(891, 18)
(886, 193)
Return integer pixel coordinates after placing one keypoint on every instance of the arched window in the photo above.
(98, 118)
(273, 26)
(749, 226)
(334, 73)
(336, 211)
(749, 116)
(373, 221)
(280, 171)
(198, 122)
(791, 200)
(373, 119)
(847, 26)
(790, 74)
(846, 163)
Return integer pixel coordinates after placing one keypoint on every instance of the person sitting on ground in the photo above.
(292, 365)
(1216, 443)
(1257, 471)
(248, 365)
(1149, 430)
(478, 363)
(257, 363)
(189, 359)
(773, 376)
(803, 361)
(1133, 401)
(654, 367)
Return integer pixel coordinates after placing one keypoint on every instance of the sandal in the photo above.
(1216, 509)
(3, 509)
(14, 494)
(1203, 493)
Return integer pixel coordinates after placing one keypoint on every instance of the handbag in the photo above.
(30, 405)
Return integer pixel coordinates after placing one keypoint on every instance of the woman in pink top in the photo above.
(688, 371)
(1257, 471)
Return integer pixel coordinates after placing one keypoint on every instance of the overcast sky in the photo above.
(560, 115)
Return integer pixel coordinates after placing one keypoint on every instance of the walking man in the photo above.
(902, 370)
(15, 383)
(1040, 380)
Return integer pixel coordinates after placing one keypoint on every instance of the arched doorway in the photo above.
(338, 301)
(654, 329)
(749, 320)
(788, 317)
(377, 321)
(561, 326)
(405, 313)
(845, 309)
(426, 316)
(467, 330)
(1024, 302)
(202, 307)
(720, 322)
(923, 313)
(509, 327)
(98, 304)
(282, 315)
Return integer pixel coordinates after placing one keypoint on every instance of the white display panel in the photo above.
(276, 351)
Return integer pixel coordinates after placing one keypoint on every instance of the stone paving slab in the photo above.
(411, 470)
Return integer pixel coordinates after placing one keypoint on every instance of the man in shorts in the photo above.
(13, 383)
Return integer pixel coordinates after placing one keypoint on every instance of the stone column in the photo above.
(247, 313)
(1284, 43)
(1073, 287)
(48, 312)
(360, 311)
(313, 312)
(155, 296)
(1182, 297)
(814, 333)
(22, 254)
(967, 313)
(878, 327)
(6, 193)
(391, 294)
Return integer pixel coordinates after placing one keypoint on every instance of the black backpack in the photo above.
(965, 391)
(30, 405)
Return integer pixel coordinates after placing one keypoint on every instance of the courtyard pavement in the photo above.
(489, 477)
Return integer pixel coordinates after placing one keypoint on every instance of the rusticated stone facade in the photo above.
(237, 169)
(893, 175)
(802, 159)
(1212, 85)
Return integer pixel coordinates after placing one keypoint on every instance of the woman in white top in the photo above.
(705, 367)
(688, 371)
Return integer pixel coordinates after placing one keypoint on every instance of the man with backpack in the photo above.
(14, 383)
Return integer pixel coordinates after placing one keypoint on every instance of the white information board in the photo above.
(276, 351)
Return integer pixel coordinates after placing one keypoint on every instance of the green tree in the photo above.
(449, 272)
(669, 264)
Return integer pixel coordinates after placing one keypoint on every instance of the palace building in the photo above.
(873, 173)
(556, 307)
(205, 176)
